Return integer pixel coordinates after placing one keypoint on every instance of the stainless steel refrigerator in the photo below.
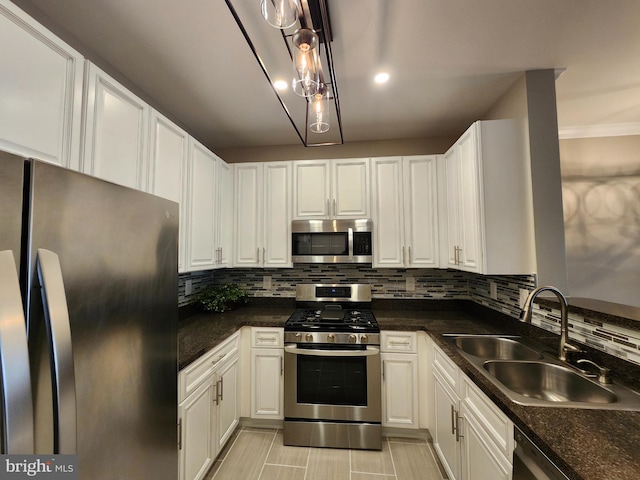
(88, 322)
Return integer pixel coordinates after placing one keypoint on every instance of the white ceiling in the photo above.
(449, 61)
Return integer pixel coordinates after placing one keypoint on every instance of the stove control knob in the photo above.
(308, 337)
(364, 339)
(353, 339)
(331, 338)
(298, 337)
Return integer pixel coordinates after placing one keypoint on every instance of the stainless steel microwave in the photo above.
(331, 241)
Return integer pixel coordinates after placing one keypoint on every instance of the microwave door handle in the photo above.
(56, 316)
(14, 360)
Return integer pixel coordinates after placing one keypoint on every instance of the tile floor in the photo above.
(258, 454)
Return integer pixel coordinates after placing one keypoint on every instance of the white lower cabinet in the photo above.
(267, 369)
(399, 357)
(472, 437)
(209, 406)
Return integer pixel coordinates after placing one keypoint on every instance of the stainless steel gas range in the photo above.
(332, 369)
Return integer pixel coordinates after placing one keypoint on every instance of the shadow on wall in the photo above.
(602, 222)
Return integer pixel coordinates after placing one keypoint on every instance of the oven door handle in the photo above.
(370, 351)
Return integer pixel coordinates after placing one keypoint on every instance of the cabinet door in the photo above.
(421, 212)
(311, 189)
(248, 207)
(445, 442)
(201, 208)
(470, 198)
(40, 91)
(197, 442)
(228, 413)
(168, 153)
(400, 390)
(224, 217)
(267, 386)
(350, 188)
(450, 222)
(480, 459)
(115, 131)
(388, 219)
(277, 215)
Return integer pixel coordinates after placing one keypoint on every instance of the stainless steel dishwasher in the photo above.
(529, 463)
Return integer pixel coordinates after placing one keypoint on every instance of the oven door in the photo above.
(332, 383)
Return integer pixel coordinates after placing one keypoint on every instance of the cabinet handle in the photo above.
(383, 370)
(221, 389)
(264, 255)
(328, 208)
(458, 436)
(334, 207)
(179, 434)
(394, 342)
(281, 366)
(403, 259)
(409, 248)
(267, 339)
(453, 420)
(215, 396)
(258, 250)
(459, 256)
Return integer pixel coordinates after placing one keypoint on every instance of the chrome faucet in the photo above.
(525, 316)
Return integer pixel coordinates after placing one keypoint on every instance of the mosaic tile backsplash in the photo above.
(427, 284)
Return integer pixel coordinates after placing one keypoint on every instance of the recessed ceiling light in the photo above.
(381, 77)
(281, 85)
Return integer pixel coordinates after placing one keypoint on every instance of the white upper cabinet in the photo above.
(262, 214)
(40, 91)
(405, 216)
(208, 206)
(326, 189)
(116, 133)
(485, 201)
(168, 154)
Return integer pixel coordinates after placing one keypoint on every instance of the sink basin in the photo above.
(498, 348)
(548, 382)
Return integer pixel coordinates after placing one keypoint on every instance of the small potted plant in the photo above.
(221, 298)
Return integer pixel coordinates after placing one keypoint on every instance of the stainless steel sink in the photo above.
(498, 348)
(520, 369)
(548, 382)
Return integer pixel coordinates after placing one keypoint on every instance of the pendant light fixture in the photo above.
(319, 111)
(280, 13)
(306, 65)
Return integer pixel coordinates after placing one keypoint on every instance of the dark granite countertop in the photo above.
(585, 444)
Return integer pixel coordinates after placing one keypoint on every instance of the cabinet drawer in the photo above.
(195, 374)
(493, 421)
(268, 337)
(447, 368)
(398, 342)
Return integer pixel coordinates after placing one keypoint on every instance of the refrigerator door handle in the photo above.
(15, 377)
(56, 315)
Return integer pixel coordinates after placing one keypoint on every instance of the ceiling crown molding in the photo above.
(606, 130)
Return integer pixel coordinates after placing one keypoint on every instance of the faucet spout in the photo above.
(526, 313)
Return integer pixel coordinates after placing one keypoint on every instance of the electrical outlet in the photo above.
(493, 290)
(266, 282)
(524, 294)
(411, 284)
(188, 287)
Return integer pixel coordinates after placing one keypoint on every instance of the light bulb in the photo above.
(319, 113)
(306, 71)
(280, 13)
